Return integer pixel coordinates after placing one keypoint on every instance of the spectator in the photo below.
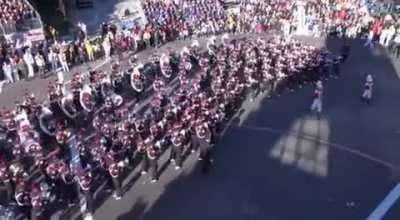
(63, 61)
(89, 50)
(21, 66)
(369, 42)
(14, 67)
(7, 71)
(396, 46)
(53, 59)
(29, 61)
(40, 63)
(107, 48)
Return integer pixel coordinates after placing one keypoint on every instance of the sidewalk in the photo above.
(102, 11)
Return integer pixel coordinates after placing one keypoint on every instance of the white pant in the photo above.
(9, 76)
(31, 73)
(65, 66)
(382, 38)
(386, 40)
(369, 43)
(107, 53)
(316, 105)
(60, 76)
(367, 94)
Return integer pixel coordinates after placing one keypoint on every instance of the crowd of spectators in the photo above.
(14, 12)
(180, 19)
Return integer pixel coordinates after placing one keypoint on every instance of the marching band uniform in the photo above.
(36, 203)
(316, 105)
(367, 94)
(62, 136)
(229, 90)
(69, 192)
(153, 154)
(141, 156)
(203, 139)
(85, 182)
(114, 171)
(5, 177)
(178, 139)
(22, 197)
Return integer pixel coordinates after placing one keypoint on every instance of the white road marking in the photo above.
(386, 204)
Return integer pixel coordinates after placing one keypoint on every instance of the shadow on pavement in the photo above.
(281, 163)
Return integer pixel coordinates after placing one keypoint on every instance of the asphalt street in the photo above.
(276, 160)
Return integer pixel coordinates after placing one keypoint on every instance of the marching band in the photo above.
(211, 88)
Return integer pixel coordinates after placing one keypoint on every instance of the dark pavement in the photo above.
(276, 161)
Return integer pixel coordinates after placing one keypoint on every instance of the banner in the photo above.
(34, 35)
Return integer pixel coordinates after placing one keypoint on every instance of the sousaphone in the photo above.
(47, 121)
(137, 79)
(68, 106)
(86, 99)
(165, 66)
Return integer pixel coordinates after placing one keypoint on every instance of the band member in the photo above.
(367, 93)
(84, 179)
(5, 178)
(137, 79)
(203, 141)
(62, 136)
(84, 154)
(37, 203)
(153, 154)
(86, 98)
(114, 171)
(141, 155)
(316, 105)
(178, 139)
(22, 197)
(109, 105)
(68, 191)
